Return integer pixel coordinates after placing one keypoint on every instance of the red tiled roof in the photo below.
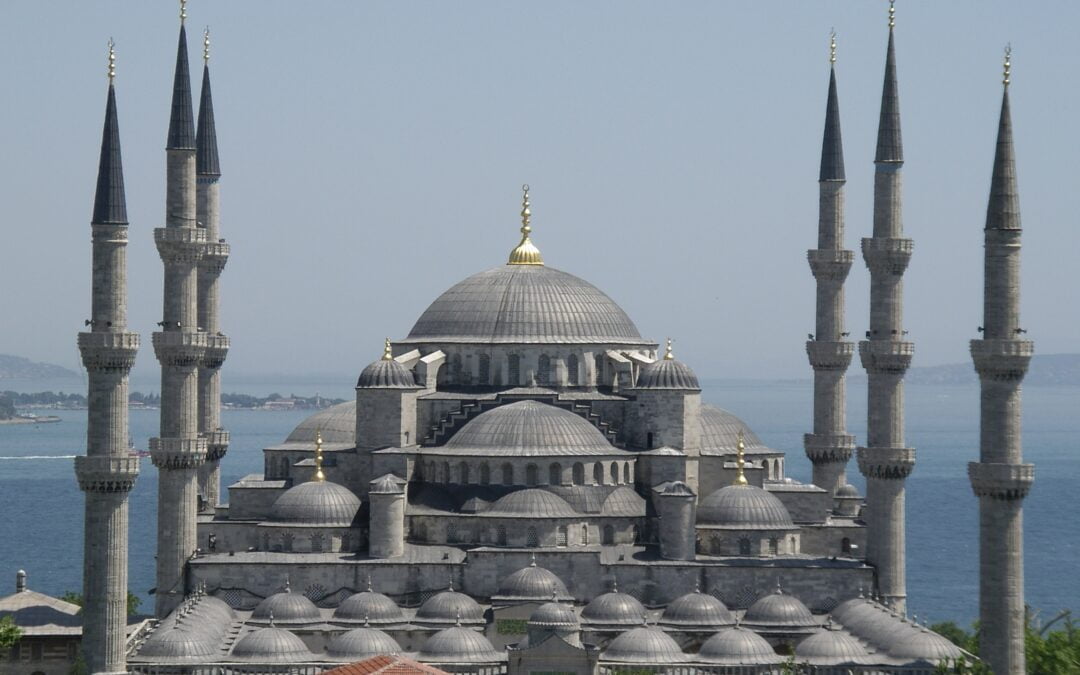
(386, 665)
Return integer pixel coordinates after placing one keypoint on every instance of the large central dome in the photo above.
(515, 304)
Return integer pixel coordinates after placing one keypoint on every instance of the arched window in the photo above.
(560, 536)
(532, 539)
(463, 473)
(513, 368)
(598, 473)
(572, 375)
(614, 473)
(584, 534)
(444, 472)
(485, 474)
(626, 473)
(716, 546)
(774, 546)
(845, 546)
(579, 473)
(609, 535)
(555, 474)
(531, 475)
(500, 535)
(543, 370)
(508, 474)
(484, 362)
(744, 546)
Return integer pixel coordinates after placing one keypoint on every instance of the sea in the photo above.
(41, 507)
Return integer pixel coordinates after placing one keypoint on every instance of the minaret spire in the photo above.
(181, 121)
(1000, 479)
(107, 472)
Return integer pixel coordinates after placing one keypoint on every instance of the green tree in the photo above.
(9, 633)
(1051, 648)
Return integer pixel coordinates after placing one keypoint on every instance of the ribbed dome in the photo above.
(847, 490)
(668, 373)
(697, 609)
(337, 424)
(554, 614)
(316, 503)
(287, 608)
(386, 374)
(531, 503)
(275, 645)
(779, 610)
(720, 431)
(644, 644)
(533, 583)
(182, 643)
(524, 304)
(361, 643)
(529, 429)
(448, 607)
(614, 608)
(925, 645)
(458, 645)
(830, 647)
(369, 606)
(744, 507)
(738, 646)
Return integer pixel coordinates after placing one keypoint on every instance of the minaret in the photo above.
(179, 346)
(885, 461)
(1000, 479)
(108, 471)
(208, 172)
(829, 447)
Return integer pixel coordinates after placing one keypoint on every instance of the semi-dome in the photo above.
(533, 583)
(271, 644)
(778, 611)
(458, 645)
(179, 642)
(697, 609)
(519, 304)
(287, 608)
(449, 606)
(744, 507)
(531, 503)
(337, 424)
(386, 373)
(369, 606)
(530, 429)
(925, 645)
(614, 608)
(361, 643)
(554, 615)
(668, 373)
(623, 502)
(830, 647)
(644, 644)
(738, 646)
(720, 432)
(316, 502)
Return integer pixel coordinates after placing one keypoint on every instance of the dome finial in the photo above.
(369, 588)
(892, 14)
(271, 618)
(668, 356)
(288, 589)
(367, 620)
(525, 253)
(318, 475)
(206, 46)
(450, 586)
(457, 621)
(388, 352)
(1008, 64)
(532, 560)
(183, 10)
(615, 584)
(832, 47)
(740, 460)
(112, 60)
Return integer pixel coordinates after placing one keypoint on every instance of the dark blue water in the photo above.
(42, 507)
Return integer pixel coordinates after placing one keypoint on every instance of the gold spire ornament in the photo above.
(892, 14)
(740, 460)
(525, 253)
(668, 356)
(112, 60)
(832, 47)
(206, 46)
(1008, 64)
(388, 354)
(183, 10)
(319, 476)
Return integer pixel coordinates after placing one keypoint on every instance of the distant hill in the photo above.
(1046, 369)
(18, 367)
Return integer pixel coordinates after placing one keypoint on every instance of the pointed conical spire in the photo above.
(832, 148)
(1003, 209)
(110, 206)
(206, 153)
(890, 147)
(181, 121)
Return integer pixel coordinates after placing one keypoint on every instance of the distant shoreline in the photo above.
(42, 419)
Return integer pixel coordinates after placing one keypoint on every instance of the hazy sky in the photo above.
(372, 155)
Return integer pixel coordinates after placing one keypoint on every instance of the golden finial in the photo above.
(740, 459)
(832, 47)
(319, 475)
(892, 14)
(112, 60)
(206, 45)
(668, 356)
(388, 353)
(1008, 64)
(525, 253)
(183, 10)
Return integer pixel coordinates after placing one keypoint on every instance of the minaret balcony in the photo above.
(217, 444)
(829, 355)
(1002, 360)
(178, 245)
(108, 351)
(829, 447)
(828, 264)
(217, 348)
(177, 453)
(1006, 482)
(215, 255)
(179, 348)
(886, 463)
(886, 357)
(106, 473)
(887, 255)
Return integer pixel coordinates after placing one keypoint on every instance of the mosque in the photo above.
(526, 484)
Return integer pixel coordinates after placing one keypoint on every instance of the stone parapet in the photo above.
(178, 245)
(110, 233)
(108, 351)
(829, 355)
(217, 348)
(215, 255)
(829, 447)
(1006, 482)
(177, 453)
(887, 255)
(1005, 360)
(886, 356)
(830, 264)
(106, 473)
(217, 444)
(179, 348)
(886, 463)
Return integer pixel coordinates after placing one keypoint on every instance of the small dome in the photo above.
(697, 609)
(361, 643)
(458, 645)
(529, 429)
(271, 645)
(337, 424)
(668, 373)
(449, 607)
(875, 624)
(847, 490)
(720, 431)
(554, 614)
(533, 583)
(287, 608)
(182, 642)
(644, 644)
(848, 611)
(531, 503)
(779, 611)
(830, 647)
(386, 374)
(387, 484)
(369, 606)
(738, 646)
(677, 489)
(316, 503)
(614, 608)
(744, 507)
(925, 645)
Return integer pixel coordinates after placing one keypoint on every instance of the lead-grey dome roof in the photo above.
(386, 374)
(449, 606)
(458, 645)
(336, 423)
(830, 647)
(316, 503)
(531, 503)
(644, 644)
(779, 610)
(369, 606)
(614, 608)
(554, 614)
(697, 609)
(287, 608)
(738, 646)
(519, 304)
(271, 644)
(533, 583)
(926, 645)
(361, 643)
(179, 642)
(744, 507)
(720, 431)
(529, 429)
(668, 373)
